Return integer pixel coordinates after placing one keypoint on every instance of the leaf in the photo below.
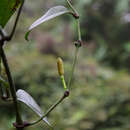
(7, 9)
(30, 102)
(50, 14)
(26, 35)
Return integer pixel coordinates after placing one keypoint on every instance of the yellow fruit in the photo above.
(60, 66)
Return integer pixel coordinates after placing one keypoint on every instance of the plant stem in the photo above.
(66, 94)
(5, 63)
(63, 82)
(73, 67)
(79, 30)
(12, 86)
(79, 42)
(71, 6)
(16, 21)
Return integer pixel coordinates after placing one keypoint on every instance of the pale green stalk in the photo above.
(73, 66)
(63, 82)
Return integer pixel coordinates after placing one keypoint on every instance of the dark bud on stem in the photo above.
(75, 15)
(78, 43)
(66, 93)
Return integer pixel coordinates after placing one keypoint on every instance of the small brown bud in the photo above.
(78, 43)
(66, 93)
(60, 66)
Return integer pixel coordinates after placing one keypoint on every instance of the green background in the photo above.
(99, 98)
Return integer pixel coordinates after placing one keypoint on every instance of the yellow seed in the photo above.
(60, 66)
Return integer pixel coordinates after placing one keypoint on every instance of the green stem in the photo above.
(71, 6)
(63, 82)
(79, 42)
(79, 30)
(16, 21)
(66, 94)
(73, 67)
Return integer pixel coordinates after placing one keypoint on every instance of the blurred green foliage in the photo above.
(99, 98)
(7, 8)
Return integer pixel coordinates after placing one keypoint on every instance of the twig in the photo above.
(11, 83)
(79, 30)
(71, 6)
(77, 44)
(73, 67)
(66, 94)
(5, 63)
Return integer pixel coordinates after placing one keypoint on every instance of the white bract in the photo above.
(50, 14)
(30, 102)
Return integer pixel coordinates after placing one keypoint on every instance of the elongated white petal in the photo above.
(50, 14)
(30, 102)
